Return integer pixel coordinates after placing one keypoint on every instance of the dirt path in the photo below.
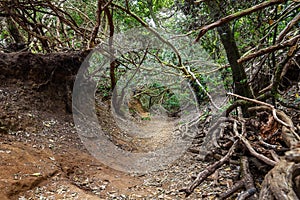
(136, 134)
(42, 157)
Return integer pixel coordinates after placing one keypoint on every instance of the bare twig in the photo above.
(209, 170)
(250, 148)
(270, 49)
(287, 28)
(264, 104)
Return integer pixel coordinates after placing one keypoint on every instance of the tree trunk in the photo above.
(14, 31)
(241, 86)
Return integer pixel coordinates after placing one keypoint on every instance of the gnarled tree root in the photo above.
(281, 182)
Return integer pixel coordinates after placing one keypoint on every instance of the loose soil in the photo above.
(42, 157)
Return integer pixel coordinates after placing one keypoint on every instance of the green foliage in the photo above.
(146, 118)
(104, 90)
(171, 103)
(3, 35)
(157, 93)
(147, 10)
(68, 25)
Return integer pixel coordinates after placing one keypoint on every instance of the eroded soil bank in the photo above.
(41, 154)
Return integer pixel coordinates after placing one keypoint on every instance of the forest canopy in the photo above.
(238, 35)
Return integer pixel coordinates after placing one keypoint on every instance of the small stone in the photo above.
(102, 187)
(74, 194)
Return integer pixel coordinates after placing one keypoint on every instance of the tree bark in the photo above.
(241, 86)
(14, 31)
(109, 15)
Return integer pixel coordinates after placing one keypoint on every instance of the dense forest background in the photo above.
(251, 48)
(250, 40)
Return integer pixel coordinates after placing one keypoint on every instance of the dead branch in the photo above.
(246, 182)
(209, 170)
(231, 17)
(279, 183)
(274, 111)
(250, 148)
(289, 43)
(287, 28)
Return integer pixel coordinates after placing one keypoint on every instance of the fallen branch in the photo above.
(264, 104)
(209, 170)
(246, 182)
(250, 148)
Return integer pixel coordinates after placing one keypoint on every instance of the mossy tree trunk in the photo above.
(240, 82)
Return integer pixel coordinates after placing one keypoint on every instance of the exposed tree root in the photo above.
(209, 170)
(278, 183)
(263, 139)
(246, 181)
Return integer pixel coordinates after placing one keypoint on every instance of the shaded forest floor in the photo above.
(42, 157)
